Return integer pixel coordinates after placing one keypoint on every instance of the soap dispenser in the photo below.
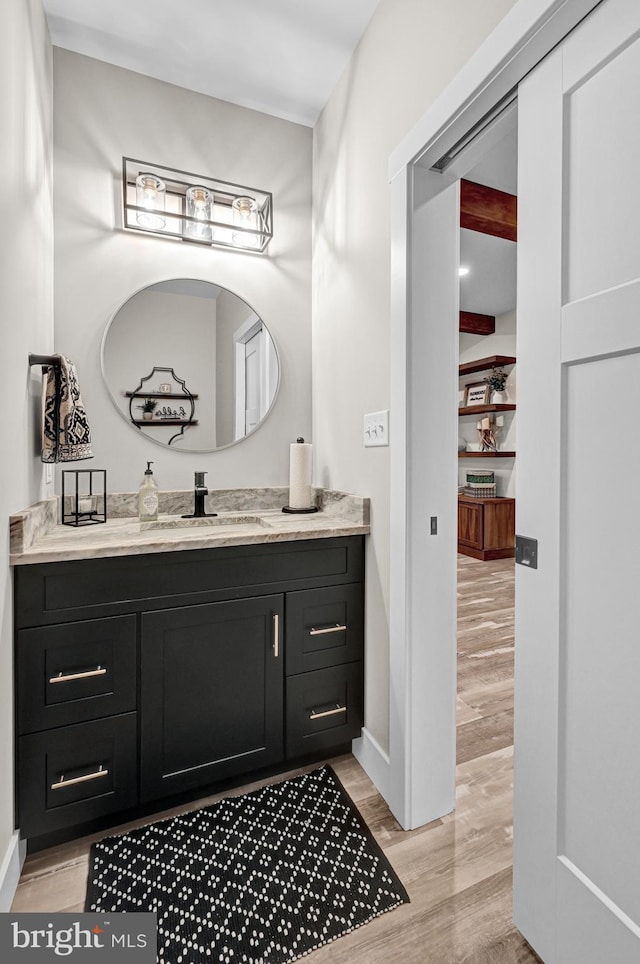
(148, 497)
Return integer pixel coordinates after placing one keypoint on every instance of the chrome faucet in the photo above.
(199, 492)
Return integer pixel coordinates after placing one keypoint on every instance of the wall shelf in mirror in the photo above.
(158, 395)
(157, 422)
(181, 416)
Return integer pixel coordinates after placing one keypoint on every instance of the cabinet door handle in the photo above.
(318, 716)
(338, 628)
(276, 635)
(67, 677)
(100, 772)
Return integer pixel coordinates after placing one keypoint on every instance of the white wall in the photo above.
(409, 52)
(104, 112)
(26, 313)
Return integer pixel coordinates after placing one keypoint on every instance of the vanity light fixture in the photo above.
(190, 207)
(150, 195)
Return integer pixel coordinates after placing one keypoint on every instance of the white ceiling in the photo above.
(490, 286)
(282, 57)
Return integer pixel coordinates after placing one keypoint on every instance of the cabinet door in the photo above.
(470, 524)
(211, 694)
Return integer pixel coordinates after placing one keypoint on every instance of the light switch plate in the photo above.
(48, 473)
(376, 429)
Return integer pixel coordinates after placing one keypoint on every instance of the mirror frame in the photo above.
(125, 417)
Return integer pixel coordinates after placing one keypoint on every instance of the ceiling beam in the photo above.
(489, 211)
(472, 323)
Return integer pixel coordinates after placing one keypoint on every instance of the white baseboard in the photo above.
(10, 870)
(374, 761)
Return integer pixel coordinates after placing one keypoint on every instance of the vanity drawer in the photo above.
(324, 627)
(324, 708)
(76, 672)
(76, 773)
(60, 591)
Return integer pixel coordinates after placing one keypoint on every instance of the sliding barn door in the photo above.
(577, 781)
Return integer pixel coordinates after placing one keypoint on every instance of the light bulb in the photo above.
(245, 215)
(150, 194)
(199, 203)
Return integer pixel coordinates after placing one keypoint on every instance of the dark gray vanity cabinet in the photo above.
(141, 678)
(211, 697)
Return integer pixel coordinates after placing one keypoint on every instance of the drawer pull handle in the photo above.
(67, 677)
(318, 716)
(276, 634)
(85, 779)
(338, 628)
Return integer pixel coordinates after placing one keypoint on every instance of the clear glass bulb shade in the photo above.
(199, 206)
(245, 215)
(150, 194)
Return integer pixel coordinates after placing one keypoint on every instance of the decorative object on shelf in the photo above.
(476, 394)
(497, 382)
(147, 408)
(84, 496)
(180, 415)
(481, 484)
(462, 444)
(488, 433)
(300, 493)
(192, 207)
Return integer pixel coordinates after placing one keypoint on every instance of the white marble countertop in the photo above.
(126, 536)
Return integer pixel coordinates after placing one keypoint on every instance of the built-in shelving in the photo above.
(476, 409)
(486, 455)
(483, 364)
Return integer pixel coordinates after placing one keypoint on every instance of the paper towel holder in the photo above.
(289, 510)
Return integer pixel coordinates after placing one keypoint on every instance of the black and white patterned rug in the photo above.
(262, 878)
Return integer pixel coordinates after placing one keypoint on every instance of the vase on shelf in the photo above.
(498, 398)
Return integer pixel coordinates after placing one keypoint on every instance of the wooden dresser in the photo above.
(486, 527)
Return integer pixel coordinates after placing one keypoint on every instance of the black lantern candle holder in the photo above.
(84, 497)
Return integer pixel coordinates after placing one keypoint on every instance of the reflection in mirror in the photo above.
(190, 364)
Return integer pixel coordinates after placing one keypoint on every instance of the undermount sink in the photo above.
(177, 522)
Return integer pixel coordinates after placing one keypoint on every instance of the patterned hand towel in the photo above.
(65, 430)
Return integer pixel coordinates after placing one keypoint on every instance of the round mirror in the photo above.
(191, 365)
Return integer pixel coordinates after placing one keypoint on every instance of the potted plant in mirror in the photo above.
(148, 407)
(497, 382)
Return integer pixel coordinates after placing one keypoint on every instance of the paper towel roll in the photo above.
(300, 475)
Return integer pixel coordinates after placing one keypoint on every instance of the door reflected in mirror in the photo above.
(190, 364)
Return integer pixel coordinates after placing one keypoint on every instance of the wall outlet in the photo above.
(376, 429)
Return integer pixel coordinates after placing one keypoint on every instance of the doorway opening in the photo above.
(487, 422)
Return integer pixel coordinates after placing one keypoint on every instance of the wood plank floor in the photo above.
(457, 870)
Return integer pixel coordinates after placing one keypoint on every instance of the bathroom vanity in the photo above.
(151, 675)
